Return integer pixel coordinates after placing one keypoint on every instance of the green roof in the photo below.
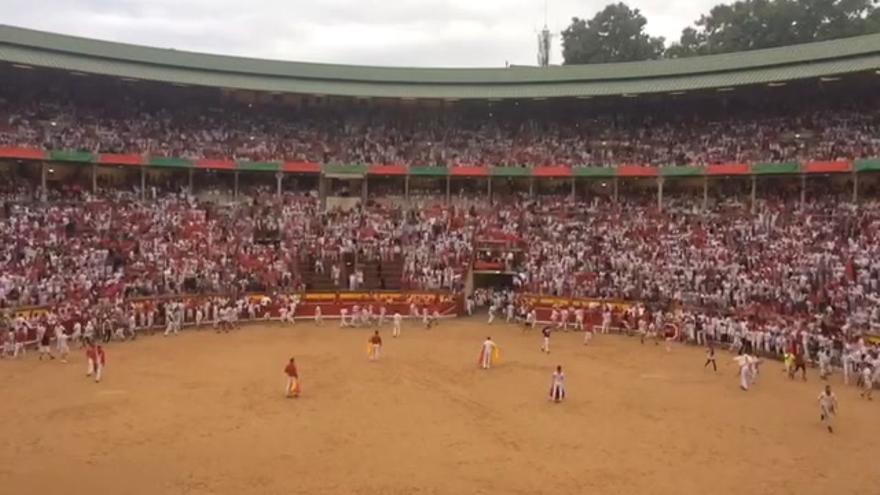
(41, 49)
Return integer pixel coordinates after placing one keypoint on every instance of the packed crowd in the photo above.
(112, 245)
(779, 259)
(395, 136)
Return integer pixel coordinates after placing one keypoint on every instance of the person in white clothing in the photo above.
(76, 337)
(63, 347)
(291, 309)
(318, 318)
(509, 314)
(487, 353)
(563, 319)
(745, 366)
(847, 361)
(492, 310)
(606, 320)
(867, 383)
(170, 320)
(828, 407)
(355, 316)
(89, 333)
(397, 319)
(579, 319)
(824, 364)
(557, 385)
(545, 332)
(531, 319)
(374, 346)
(343, 318)
(382, 311)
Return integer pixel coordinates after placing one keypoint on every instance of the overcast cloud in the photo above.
(464, 33)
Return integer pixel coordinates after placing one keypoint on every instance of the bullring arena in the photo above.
(731, 199)
(204, 413)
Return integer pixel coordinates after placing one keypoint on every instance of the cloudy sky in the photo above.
(392, 32)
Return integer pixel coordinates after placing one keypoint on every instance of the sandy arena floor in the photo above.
(203, 413)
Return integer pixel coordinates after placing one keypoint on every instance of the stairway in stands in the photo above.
(315, 280)
(372, 280)
(391, 271)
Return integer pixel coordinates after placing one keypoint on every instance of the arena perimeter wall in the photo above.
(449, 305)
(331, 304)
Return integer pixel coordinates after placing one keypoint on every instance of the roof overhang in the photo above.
(30, 48)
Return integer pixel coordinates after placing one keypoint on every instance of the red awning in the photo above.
(469, 171)
(728, 169)
(557, 171)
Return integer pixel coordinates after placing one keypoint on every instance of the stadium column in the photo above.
(448, 189)
(754, 192)
(490, 189)
(143, 183)
(532, 187)
(615, 190)
(43, 182)
(235, 192)
(572, 189)
(803, 191)
(278, 177)
(94, 178)
(705, 192)
(364, 191)
(322, 190)
(660, 193)
(855, 190)
(190, 180)
(406, 186)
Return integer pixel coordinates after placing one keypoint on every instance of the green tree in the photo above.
(616, 34)
(752, 24)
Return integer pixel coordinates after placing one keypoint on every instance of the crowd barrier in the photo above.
(267, 307)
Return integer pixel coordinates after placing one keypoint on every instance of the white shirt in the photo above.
(827, 401)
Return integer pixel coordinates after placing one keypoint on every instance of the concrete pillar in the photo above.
(364, 191)
(43, 182)
(235, 184)
(803, 190)
(660, 193)
(489, 181)
(572, 189)
(94, 179)
(754, 192)
(531, 187)
(322, 191)
(705, 193)
(855, 190)
(448, 189)
(615, 190)
(143, 183)
(190, 182)
(278, 178)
